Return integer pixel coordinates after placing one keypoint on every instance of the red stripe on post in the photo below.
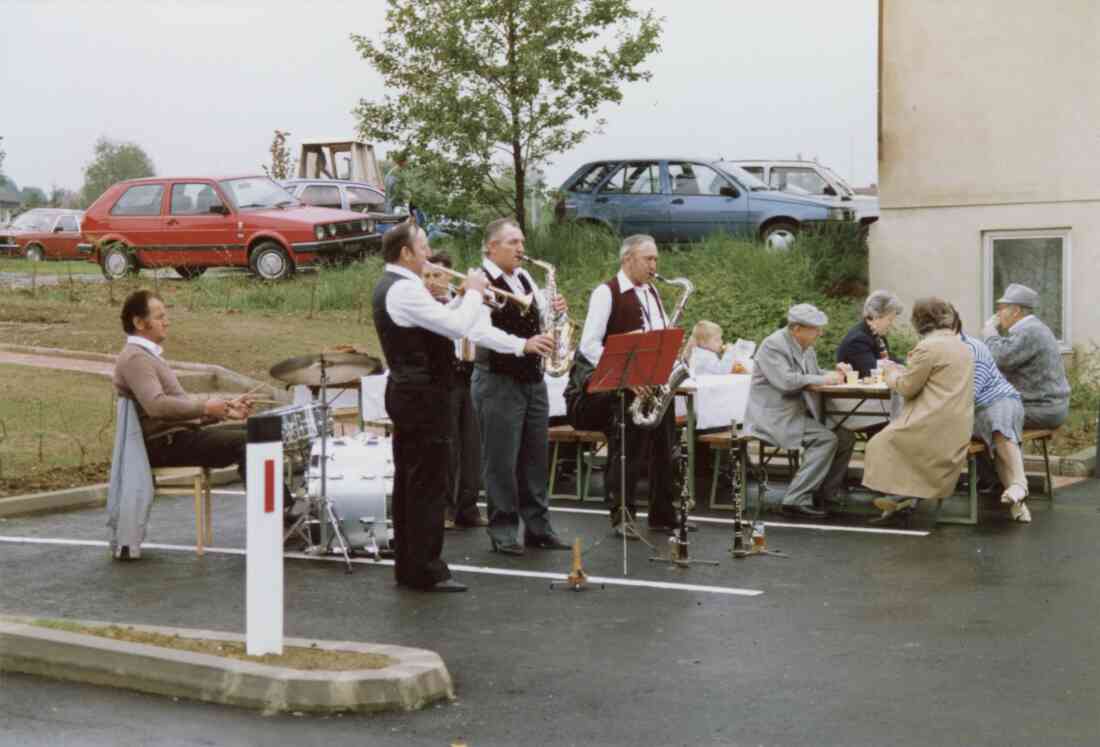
(269, 486)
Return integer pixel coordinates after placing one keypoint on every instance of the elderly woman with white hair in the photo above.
(865, 344)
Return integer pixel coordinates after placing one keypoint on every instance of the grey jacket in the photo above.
(778, 401)
(1029, 358)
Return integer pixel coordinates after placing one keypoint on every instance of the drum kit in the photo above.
(338, 489)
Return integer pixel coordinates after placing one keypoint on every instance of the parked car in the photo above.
(343, 194)
(193, 223)
(43, 233)
(683, 199)
(813, 179)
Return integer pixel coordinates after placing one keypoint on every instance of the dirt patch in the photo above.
(310, 659)
(45, 479)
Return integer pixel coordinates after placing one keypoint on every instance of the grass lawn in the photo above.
(10, 264)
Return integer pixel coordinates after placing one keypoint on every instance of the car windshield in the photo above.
(33, 222)
(845, 189)
(256, 193)
(748, 181)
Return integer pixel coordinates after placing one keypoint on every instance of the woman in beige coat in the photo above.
(921, 453)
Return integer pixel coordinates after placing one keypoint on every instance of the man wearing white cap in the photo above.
(1027, 353)
(782, 412)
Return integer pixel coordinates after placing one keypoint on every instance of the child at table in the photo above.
(706, 353)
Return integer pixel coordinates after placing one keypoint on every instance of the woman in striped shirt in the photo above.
(999, 423)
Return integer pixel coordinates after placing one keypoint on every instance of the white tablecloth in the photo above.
(718, 399)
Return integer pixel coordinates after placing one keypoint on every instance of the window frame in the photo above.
(1065, 343)
(160, 204)
(61, 219)
(339, 195)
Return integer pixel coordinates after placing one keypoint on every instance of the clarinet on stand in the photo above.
(742, 539)
(678, 553)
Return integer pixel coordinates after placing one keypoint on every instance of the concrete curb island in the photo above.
(89, 496)
(417, 677)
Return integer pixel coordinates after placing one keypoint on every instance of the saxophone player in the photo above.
(511, 402)
(626, 303)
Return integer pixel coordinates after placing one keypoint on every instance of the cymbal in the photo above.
(342, 368)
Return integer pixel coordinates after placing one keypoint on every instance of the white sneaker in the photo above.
(1013, 494)
(1020, 512)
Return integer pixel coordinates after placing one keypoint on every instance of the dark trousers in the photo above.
(465, 462)
(214, 446)
(514, 417)
(646, 450)
(421, 441)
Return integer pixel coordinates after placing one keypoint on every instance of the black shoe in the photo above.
(469, 522)
(511, 548)
(450, 585)
(800, 510)
(545, 542)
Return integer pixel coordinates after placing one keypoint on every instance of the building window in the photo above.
(1041, 261)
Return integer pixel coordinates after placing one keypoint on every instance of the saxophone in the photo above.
(558, 325)
(648, 410)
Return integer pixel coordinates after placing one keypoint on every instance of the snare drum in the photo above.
(359, 483)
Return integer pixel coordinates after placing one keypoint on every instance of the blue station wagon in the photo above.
(688, 200)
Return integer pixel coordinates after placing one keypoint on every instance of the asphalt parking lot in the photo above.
(962, 635)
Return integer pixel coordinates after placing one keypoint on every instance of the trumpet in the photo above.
(499, 297)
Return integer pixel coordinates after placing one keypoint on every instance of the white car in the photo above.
(810, 178)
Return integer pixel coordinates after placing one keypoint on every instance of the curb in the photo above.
(88, 496)
(417, 678)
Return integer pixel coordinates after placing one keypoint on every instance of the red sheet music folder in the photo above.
(636, 359)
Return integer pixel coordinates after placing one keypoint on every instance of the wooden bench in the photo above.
(583, 441)
(1040, 435)
(723, 441)
(200, 489)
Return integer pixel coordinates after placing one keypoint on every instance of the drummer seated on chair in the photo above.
(172, 421)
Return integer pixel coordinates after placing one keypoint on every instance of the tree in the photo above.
(33, 197)
(282, 165)
(63, 198)
(113, 162)
(489, 87)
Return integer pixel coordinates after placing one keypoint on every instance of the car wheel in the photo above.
(189, 273)
(779, 235)
(271, 262)
(117, 262)
(35, 253)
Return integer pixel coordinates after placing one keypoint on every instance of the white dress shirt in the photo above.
(146, 343)
(599, 312)
(484, 334)
(705, 361)
(410, 304)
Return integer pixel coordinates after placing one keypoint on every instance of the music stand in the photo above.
(635, 359)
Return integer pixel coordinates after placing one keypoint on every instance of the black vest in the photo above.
(414, 355)
(513, 320)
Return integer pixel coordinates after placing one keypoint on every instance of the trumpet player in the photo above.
(416, 334)
(511, 402)
(627, 302)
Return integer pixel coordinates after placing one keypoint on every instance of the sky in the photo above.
(201, 86)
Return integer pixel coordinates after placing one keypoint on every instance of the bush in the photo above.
(837, 253)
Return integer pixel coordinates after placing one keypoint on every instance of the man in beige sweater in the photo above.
(171, 420)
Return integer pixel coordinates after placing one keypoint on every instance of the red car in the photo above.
(43, 233)
(191, 224)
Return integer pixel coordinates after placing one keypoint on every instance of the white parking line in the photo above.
(716, 520)
(482, 569)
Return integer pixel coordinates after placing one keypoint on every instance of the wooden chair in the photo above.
(200, 489)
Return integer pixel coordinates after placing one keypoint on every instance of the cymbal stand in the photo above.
(745, 543)
(678, 544)
(326, 504)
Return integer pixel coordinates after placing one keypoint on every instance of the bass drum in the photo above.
(359, 485)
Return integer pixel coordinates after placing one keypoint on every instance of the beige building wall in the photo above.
(989, 121)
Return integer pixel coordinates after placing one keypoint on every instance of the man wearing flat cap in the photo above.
(1027, 353)
(784, 413)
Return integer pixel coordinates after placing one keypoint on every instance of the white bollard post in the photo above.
(264, 576)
